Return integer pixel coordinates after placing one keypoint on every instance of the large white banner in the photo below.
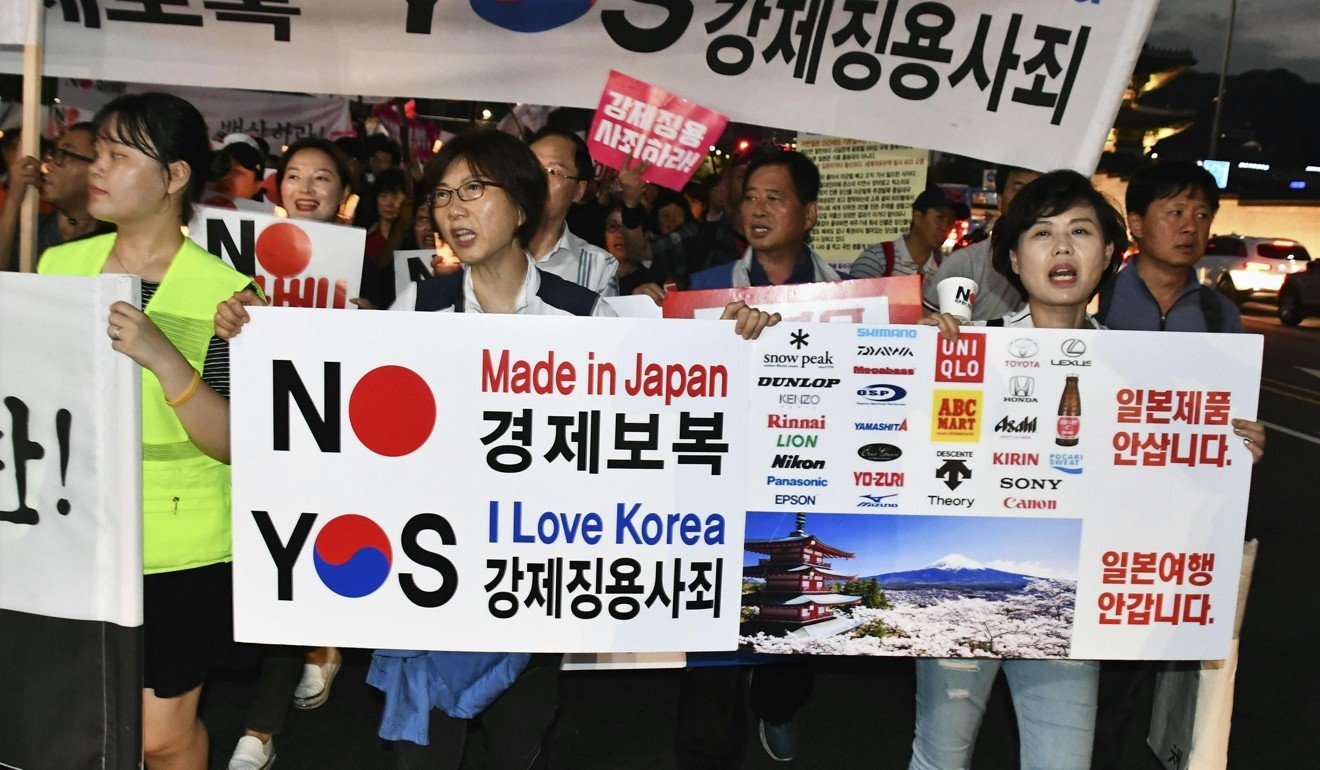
(279, 118)
(70, 452)
(466, 482)
(1036, 83)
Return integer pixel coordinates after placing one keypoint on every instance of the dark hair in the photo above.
(390, 180)
(667, 197)
(337, 157)
(85, 125)
(1047, 196)
(1002, 173)
(166, 129)
(240, 153)
(1165, 180)
(352, 147)
(586, 167)
(805, 175)
(382, 143)
(506, 161)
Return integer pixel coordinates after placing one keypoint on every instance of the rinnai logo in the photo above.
(391, 409)
(785, 422)
(961, 361)
(354, 557)
(796, 462)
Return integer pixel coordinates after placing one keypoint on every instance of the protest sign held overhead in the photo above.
(870, 300)
(296, 262)
(975, 77)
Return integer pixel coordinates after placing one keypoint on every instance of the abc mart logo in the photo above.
(1023, 347)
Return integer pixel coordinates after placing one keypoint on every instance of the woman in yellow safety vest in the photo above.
(152, 153)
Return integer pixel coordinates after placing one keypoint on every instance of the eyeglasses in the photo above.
(466, 192)
(561, 174)
(614, 227)
(59, 155)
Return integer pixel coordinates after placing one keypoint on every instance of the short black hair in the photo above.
(382, 143)
(803, 172)
(85, 125)
(586, 167)
(391, 180)
(1002, 173)
(240, 153)
(506, 161)
(352, 147)
(1165, 180)
(166, 129)
(337, 157)
(1047, 196)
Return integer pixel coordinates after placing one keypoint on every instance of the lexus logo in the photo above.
(1022, 348)
(1022, 387)
(1073, 348)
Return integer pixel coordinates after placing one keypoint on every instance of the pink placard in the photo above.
(638, 120)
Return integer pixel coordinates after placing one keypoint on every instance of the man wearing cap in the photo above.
(239, 168)
(918, 252)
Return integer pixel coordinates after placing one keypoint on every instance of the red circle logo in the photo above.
(284, 250)
(392, 411)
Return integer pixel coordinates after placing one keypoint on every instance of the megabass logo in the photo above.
(879, 453)
(353, 555)
(883, 370)
(797, 382)
(882, 394)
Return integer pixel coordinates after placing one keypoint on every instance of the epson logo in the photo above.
(796, 462)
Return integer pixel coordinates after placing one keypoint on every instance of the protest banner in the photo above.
(870, 189)
(296, 262)
(1027, 82)
(869, 300)
(536, 484)
(70, 526)
(279, 118)
(1018, 493)
(411, 266)
(638, 122)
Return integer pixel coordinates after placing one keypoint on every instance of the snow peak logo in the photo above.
(1020, 428)
(797, 382)
(1021, 390)
(796, 462)
(878, 501)
(879, 453)
(882, 370)
(884, 350)
(882, 426)
(795, 361)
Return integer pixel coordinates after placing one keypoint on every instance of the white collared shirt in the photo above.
(1022, 318)
(585, 264)
(528, 302)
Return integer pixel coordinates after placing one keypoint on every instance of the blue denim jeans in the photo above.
(1054, 700)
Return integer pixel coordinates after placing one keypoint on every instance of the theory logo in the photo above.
(353, 555)
(391, 409)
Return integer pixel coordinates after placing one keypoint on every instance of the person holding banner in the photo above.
(152, 155)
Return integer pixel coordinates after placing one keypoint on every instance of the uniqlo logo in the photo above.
(961, 361)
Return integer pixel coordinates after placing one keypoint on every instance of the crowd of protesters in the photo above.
(537, 232)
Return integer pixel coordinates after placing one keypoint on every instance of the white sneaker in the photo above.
(252, 754)
(313, 689)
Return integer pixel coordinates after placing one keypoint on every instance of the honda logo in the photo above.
(1022, 387)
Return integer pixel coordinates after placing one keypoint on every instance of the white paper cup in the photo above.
(956, 297)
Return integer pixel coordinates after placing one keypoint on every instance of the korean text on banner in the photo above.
(869, 300)
(296, 262)
(636, 121)
(1019, 493)
(546, 484)
(1030, 83)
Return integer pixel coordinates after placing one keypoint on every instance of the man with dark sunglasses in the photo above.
(63, 185)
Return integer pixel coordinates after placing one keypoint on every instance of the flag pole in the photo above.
(31, 146)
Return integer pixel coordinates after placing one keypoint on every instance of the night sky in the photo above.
(1267, 34)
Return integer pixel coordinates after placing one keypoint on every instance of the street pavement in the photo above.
(861, 712)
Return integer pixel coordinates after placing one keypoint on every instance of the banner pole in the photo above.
(31, 144)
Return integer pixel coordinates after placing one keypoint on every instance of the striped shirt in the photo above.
(215, 370)
(587, 265)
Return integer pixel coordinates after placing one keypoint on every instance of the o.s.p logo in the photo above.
(531, 15)
(352, 556)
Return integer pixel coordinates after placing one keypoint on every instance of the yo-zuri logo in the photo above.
(531, 15)
(391, 408)
(353, 555)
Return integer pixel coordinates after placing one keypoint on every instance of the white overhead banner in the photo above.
(1031, 82)
(279, 118)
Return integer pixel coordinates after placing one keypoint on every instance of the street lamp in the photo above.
(1223, 75)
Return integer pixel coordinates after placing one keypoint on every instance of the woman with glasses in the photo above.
(63, 187)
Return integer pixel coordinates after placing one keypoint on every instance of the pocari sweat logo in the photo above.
(531, 15)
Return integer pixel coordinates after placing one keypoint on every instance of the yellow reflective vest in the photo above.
(185, 494)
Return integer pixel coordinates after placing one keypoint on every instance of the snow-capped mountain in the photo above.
(954, 570)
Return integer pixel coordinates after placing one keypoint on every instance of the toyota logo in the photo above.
(1022, 348)
(1073, 348)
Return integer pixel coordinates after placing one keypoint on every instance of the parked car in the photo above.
(1300, 295)
(1244, 267)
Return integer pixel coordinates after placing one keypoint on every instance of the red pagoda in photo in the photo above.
(796, 592)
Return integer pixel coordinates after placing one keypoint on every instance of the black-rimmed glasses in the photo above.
(59, 156)
(466, 192)
(561, 174)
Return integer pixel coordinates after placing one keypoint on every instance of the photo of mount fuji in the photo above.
(924, 586)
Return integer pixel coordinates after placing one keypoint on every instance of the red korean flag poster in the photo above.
(446, 481)
(637, 121)
(296, 262)
(1024, 493)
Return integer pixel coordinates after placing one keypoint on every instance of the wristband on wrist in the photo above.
(633, 216)
(187, 394)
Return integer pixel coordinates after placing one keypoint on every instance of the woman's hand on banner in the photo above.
(231, 314)
(748, 321)
(1253, 435)
(948, 325)
(135, 335)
